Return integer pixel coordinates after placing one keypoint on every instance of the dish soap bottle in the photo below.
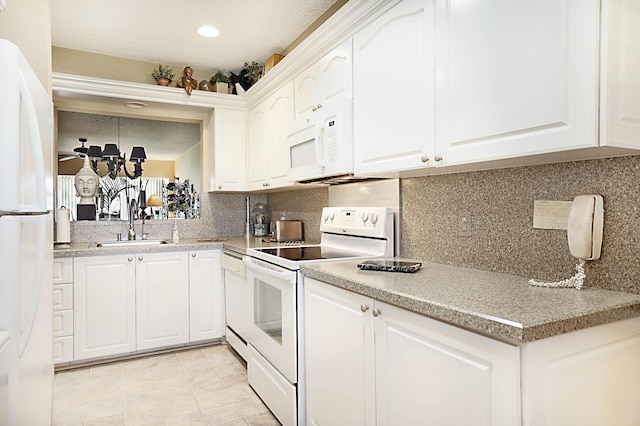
(174, 233)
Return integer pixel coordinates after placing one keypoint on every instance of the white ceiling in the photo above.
(164, 31)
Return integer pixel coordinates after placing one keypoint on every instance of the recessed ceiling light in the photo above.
(208, 31)
(135, 104)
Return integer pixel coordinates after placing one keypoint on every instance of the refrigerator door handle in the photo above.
(36, 286)
(36, 145)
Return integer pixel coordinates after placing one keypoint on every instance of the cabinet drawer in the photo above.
(62, 271)
(63, 323)
(62, 297)
(62, 349)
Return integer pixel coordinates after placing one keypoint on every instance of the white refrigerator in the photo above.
(26, 248)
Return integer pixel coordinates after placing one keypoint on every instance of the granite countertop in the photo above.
(502, 306)
(236, 244)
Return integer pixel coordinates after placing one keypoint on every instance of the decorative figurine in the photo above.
(187, 82)
(86, 183)
(204, 85)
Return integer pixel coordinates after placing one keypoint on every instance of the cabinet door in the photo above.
(620, 111)
(339, 356)
(162, 299)
(428, 372)
(335, 71)
(230, 150)
(588, 377)
(306, 88)
(258, 148)
(104, 306)
(515, 78)
(205, 294)
(280, 111)
(393, 90)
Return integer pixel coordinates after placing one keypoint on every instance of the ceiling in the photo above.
(164, 31)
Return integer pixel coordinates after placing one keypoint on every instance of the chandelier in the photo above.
(115, 160)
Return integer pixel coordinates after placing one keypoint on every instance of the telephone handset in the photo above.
(584, 234)
(584, 228)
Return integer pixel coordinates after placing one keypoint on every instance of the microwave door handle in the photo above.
(279, 275)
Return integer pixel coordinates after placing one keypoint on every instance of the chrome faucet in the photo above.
(133, 207)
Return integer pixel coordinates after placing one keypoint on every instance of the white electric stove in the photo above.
(275, 338)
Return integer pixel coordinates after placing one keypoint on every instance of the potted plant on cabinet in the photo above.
(163, 75)
(220, 82)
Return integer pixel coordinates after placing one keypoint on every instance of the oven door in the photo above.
(272, 325)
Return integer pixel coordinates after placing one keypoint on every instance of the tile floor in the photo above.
(202, 386)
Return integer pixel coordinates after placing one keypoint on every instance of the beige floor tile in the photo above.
(201, 386)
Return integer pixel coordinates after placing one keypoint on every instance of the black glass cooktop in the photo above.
(309, 253)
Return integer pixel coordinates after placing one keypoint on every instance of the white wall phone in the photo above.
(584, 234)
(584, 229)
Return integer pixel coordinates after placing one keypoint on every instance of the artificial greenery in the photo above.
(163, 72)
(220, 77)
(254, 71)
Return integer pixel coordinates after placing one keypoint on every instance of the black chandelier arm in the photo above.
(137, 169)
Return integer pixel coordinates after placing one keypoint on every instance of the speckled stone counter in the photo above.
(236, 244)
(499, 305)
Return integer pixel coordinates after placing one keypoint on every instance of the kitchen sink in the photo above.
(131, 243)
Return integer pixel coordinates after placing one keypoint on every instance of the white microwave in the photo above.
(321, 145)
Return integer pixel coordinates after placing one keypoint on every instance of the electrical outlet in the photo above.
(465, 224)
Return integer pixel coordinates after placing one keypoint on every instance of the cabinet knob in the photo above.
(364, 308)
(438, 157)
(130, 259)
(193, 255)
(319, 106)
(376, 312)
(219, 186)
(140, 258)
(424, 158)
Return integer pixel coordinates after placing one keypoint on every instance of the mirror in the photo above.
(173, 149)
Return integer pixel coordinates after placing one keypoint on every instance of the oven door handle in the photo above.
(257, 266)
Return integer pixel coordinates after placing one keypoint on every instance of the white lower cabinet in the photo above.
(104, 306)
(206, 313)
(62, 310)
(162, 299)
(134, 302)
(372, 363)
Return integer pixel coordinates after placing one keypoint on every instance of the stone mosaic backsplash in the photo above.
(502, 235)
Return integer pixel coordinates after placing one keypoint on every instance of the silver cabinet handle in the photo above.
(376, 312)
(424, 158)
(438, 157)
(219, 186)
(130, 259)
(140, 258)
(193, 255)
(364, 308)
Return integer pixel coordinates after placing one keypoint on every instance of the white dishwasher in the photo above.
(237, 298)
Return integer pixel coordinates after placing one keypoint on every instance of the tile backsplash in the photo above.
(502, 237)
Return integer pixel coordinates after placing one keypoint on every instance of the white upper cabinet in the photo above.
(515, 78)
(393, 73)
(328, 79)
(230, 129)
(620, 103)
(268, 150)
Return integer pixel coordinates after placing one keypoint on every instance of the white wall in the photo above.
(27, 24)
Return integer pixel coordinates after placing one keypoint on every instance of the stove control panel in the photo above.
(374, 222)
